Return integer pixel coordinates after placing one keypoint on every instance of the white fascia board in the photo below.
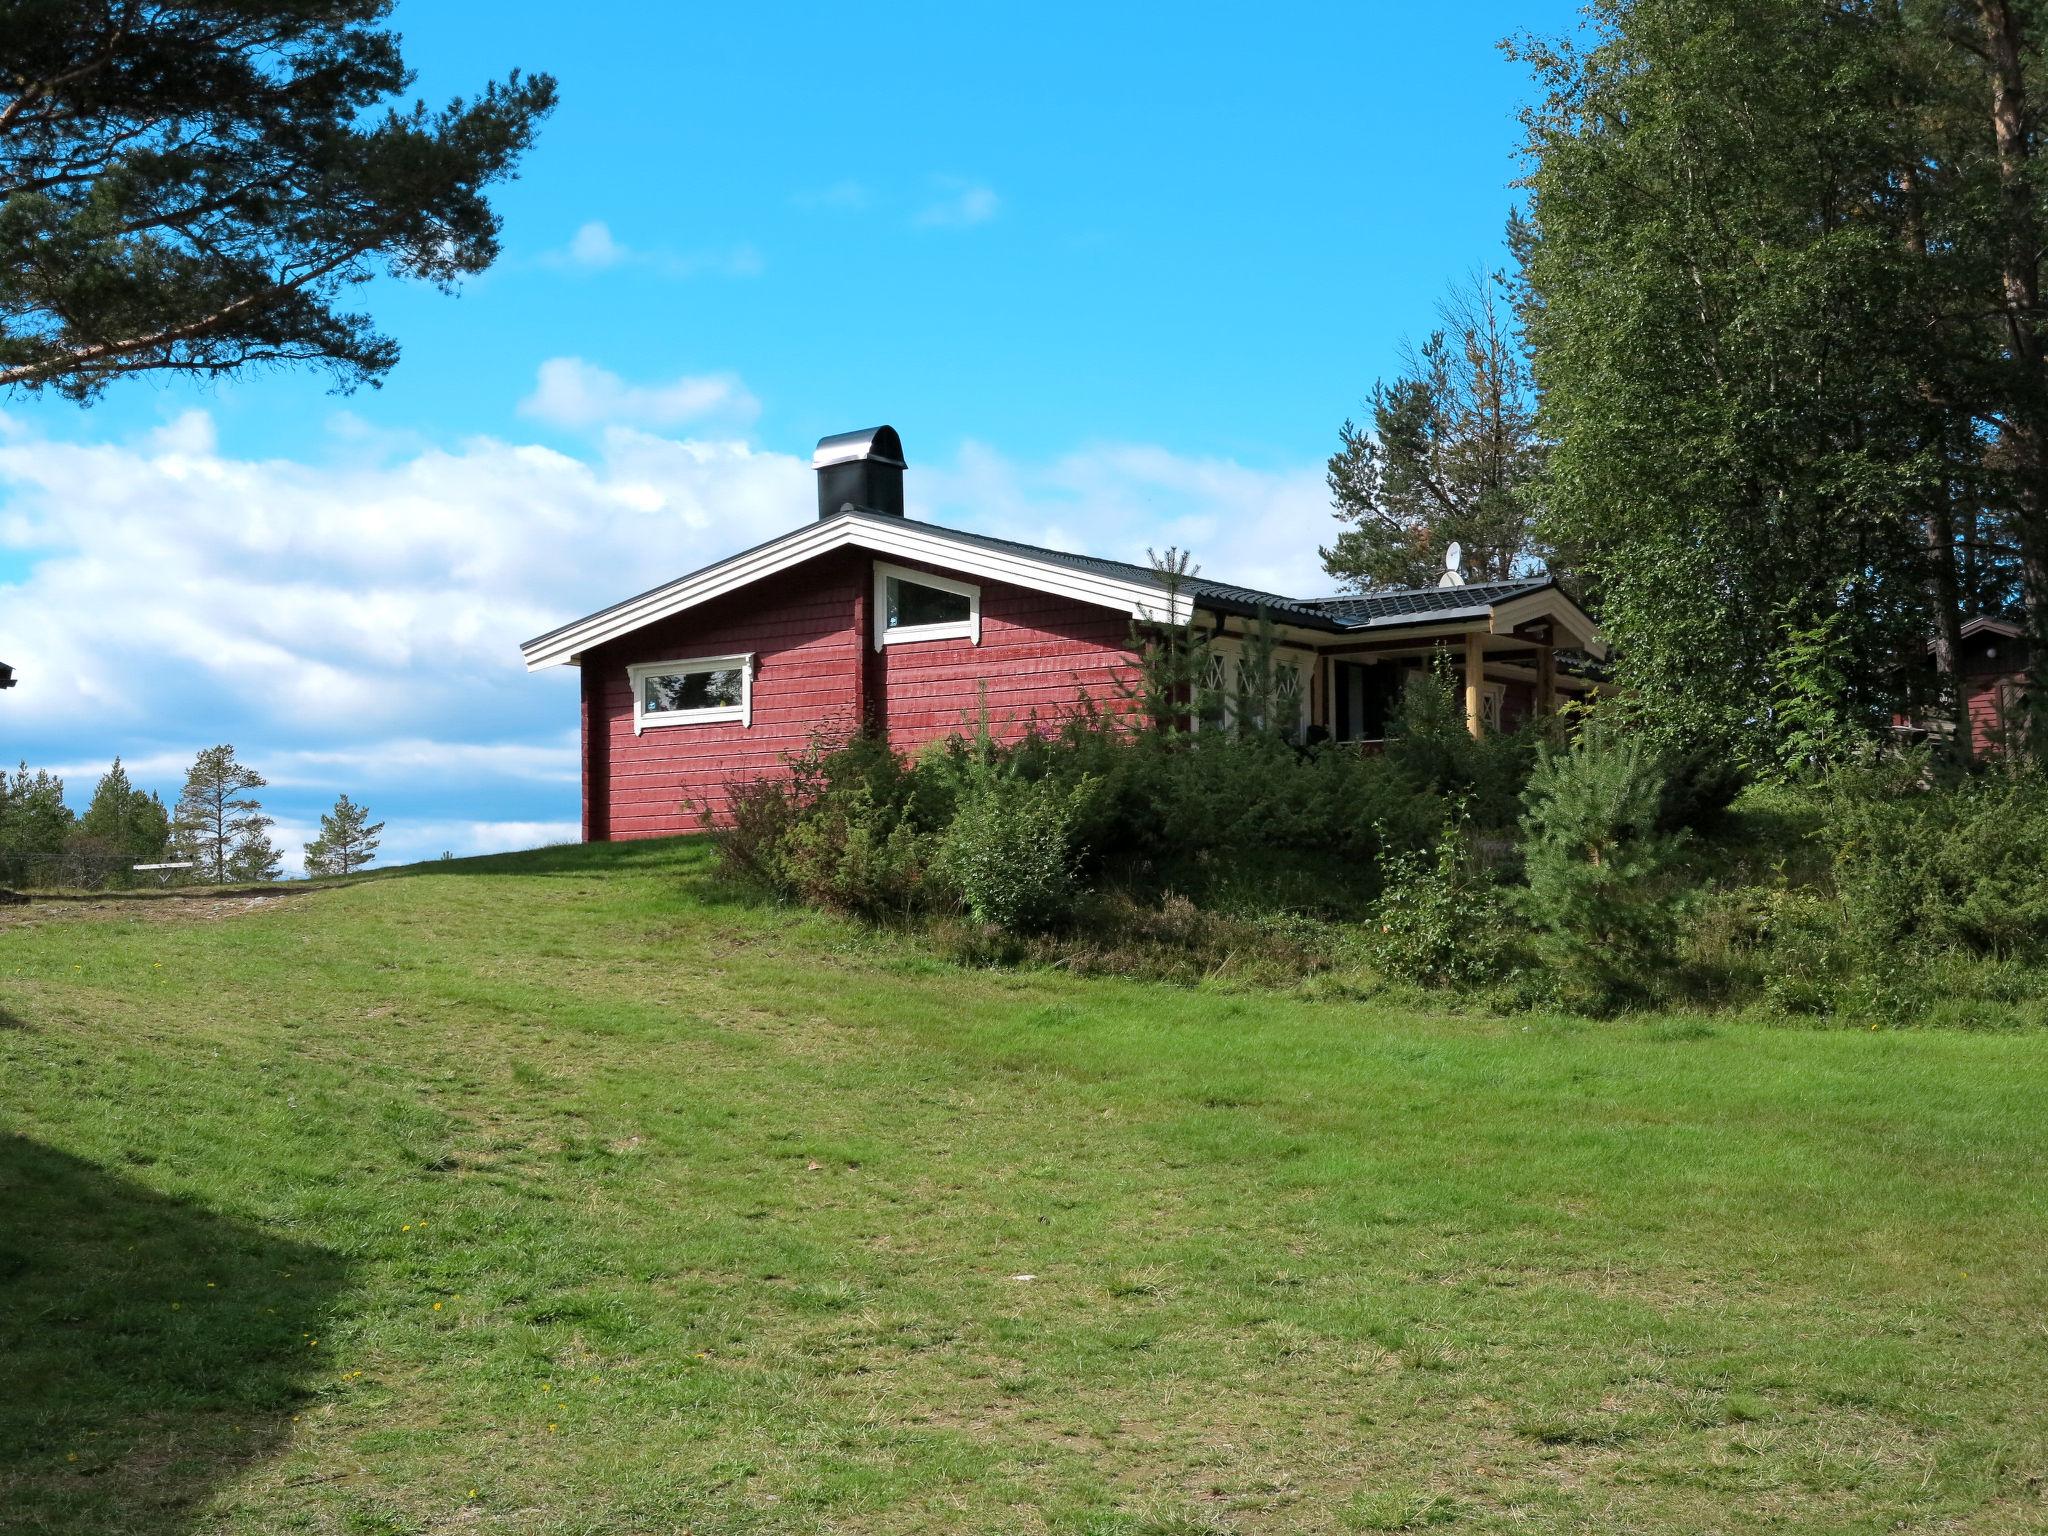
(1554, 605)
(918, 541)
(890, 536)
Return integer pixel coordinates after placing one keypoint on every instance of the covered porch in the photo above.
(1502, 642)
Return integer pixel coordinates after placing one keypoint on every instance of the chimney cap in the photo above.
(877, 444)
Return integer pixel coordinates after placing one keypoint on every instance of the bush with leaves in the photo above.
(1600, 891)
(1430, 745)
(1927, 866)
(1008, 853)
(838, 831)
(1440, 919)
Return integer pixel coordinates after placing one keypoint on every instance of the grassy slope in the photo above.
(549, 1194)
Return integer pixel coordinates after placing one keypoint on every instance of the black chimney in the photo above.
(861, 470)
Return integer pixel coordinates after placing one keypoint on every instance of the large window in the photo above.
(704, 691)
(916, 605)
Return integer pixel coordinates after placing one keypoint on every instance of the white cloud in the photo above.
(417, 841)
(594, 248)
(964, 203)
(570, 392)
(402, 762)
(175, 596)
(1258, 527)
(352, 622)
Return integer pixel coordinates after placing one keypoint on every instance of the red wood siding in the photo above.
(1038, 654)
(1992, 704)
(806, 669)
(816, 668)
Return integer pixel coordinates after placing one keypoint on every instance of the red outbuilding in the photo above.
(866, 616)
(1994, 669)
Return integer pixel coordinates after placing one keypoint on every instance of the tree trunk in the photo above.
(1944, 595)
(2026, 429)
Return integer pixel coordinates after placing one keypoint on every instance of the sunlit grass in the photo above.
(554, 1193)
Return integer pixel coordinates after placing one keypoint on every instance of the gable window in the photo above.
(704, 691)
(916, 605)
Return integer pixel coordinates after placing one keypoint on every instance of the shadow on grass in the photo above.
(690, 862)
(154, 1350)
(652, 855)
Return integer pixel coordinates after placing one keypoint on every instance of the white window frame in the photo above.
(968, 628)
(1229, 649)
(1493, 704)
(645, 719)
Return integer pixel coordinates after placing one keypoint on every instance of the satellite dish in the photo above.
(1454, 557)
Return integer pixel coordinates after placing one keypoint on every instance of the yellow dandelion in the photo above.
(472, 1493)
(437, 1306)
(406, 1228)
(551, 1429)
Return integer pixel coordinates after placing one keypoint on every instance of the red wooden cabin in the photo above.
(1993, 670)
(866, 615)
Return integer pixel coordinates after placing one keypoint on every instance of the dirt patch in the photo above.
(145, 907)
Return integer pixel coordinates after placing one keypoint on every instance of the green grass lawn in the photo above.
(554, 1193)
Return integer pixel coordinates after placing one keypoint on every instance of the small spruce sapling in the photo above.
(1600, 894)
(1172, 690)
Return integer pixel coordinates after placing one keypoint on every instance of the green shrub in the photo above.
(1600, 893)
(761, 813)
(841, 830)
(1440, 921)
(850, 853)
(1701, 783)
(1008, 852)
(1431, 749)
(1928, 867)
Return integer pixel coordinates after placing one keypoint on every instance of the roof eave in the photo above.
(873, 531)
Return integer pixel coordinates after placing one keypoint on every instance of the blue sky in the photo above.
(1115, 281)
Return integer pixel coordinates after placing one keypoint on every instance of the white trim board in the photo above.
(1549, 603)
(716, 714)
(968, 628)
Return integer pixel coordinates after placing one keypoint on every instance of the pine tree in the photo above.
(220, 826)
(34, 820)
(1451, 455)
(1170, 690)
(124, 819)
(198, 189)
(1598, 890)
(347, 840)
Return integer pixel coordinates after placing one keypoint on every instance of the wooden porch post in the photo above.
(1546, 680)
(1475, 678)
